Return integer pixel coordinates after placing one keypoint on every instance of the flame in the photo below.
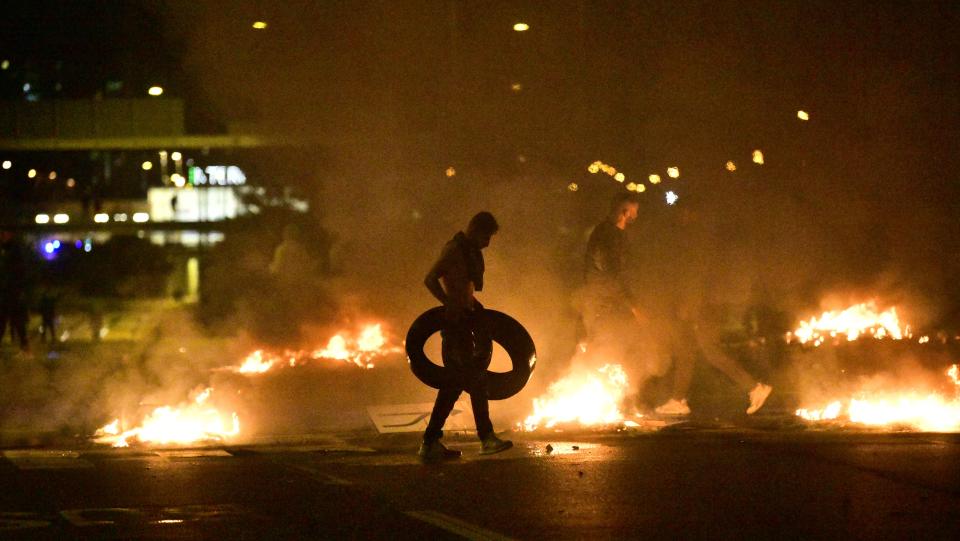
(192, 422)
(856, 321)
(590, 398)
(923, 411)
(255, 363)
(369, 344)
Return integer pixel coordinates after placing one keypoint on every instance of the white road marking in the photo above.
(457, 526)
(41, 459)
(324, 478)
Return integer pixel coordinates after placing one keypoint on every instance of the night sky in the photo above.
(395, 92)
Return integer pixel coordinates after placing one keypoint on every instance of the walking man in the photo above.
(453, 279)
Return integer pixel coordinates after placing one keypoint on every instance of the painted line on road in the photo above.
(324, 478)
(457, 526)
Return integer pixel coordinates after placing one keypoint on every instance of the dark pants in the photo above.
(459, 347)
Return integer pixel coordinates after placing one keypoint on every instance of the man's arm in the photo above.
(432, 281)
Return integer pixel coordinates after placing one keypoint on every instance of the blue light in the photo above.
(78, 244)
(48, 247)
(87, 246)
(56, 245)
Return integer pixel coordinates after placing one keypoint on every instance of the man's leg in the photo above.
(446, 400)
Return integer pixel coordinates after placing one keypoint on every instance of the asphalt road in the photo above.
(679, 483)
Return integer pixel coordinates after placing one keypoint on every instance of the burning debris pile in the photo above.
(194, 421)
(585, 398)
(926, 411)
(859, 320)
(361, 351)
(200, 421)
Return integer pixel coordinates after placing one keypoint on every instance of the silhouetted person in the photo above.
(48, 316)
(13, 281)
(453, 279)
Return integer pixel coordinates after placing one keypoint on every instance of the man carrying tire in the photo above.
(453, 279)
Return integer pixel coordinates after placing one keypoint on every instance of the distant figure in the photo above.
(48, 316)
(13, 282)
(610, 310)
(453, 279)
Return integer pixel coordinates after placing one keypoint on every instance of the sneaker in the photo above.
(436, 451)
(674, 407)
(492, 444)
(758, 396)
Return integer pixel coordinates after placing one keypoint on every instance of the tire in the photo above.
(502, 328)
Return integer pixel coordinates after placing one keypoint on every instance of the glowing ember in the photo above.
(854, 322)
(192, 422)
(923, 411)
(586, 398)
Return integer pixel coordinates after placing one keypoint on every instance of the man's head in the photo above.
(481, 227)
(623, 209)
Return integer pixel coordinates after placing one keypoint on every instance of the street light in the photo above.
(60, 218)
(259, 25)
(147, 165)
(42, 218)
(176, 156)
(521, 27)
(31, 173)
(155, 90)
(7, 164)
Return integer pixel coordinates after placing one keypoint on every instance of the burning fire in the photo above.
(927, 412)
(195, 421)
(360, 351)
(854, 322)
(587, 398)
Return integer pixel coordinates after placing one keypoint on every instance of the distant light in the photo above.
(802, 115)
(7, 164)
(140, 217)
(673, 172)
(56, 244)
(654, 179)
(573, 186)
(178, 180)
(60, 218)
(641, 188)
(451, 171)
(48, 247)
(78, 244)
(52, 175)
(155, 90)
(731, 166)
(147, 165)
(632, 186)
(259, 25)
(71, 183)
(4, 65)
(87, 246)
(594, 167)
(516, 87)
(101, 217)
(758, 157)
(42, 218)
(121, 217)
(619, 177)
(26, 87)
(521, 27)
(672, 198)
(176, 156)
(31, 173)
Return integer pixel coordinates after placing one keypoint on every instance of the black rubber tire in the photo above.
(502, 328)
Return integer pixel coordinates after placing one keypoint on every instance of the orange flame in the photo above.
(192, 422)
(929, 412)
(587, 398)
(858, 320)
